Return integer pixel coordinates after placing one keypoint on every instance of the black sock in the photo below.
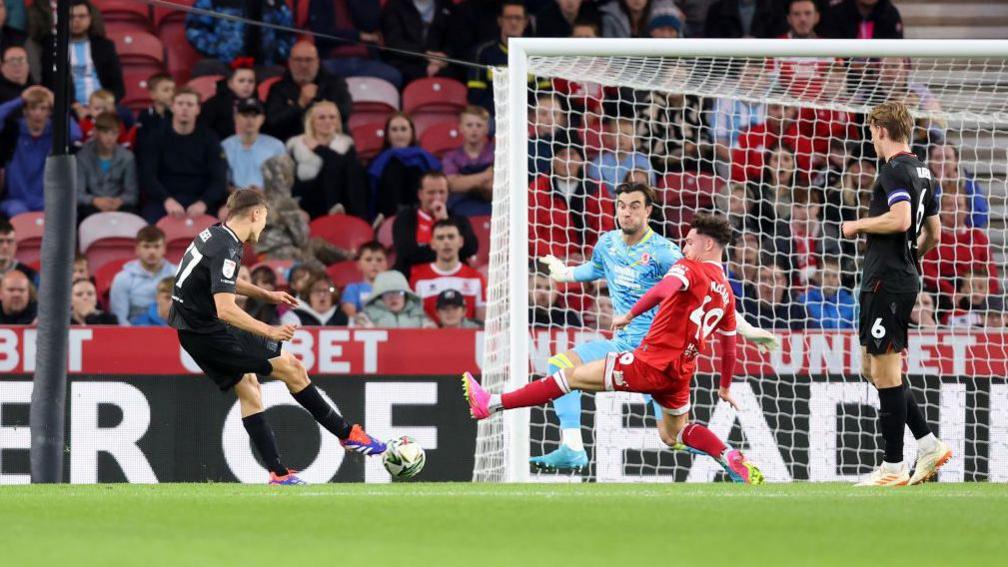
(914, 416)
(322, 411)
(892, 418)
(262, 436)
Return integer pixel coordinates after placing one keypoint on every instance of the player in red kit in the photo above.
(695, 302)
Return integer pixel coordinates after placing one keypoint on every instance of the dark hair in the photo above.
(97, 27)
(150, 233)
(792, 2)
(241, 202)
(264, 272)
(373, 246)
(431, 175)
(505, 3)
(648, 192)
(156, 79)
(446, 222)
(5, 226)
(107, 122)
(580, 22)
(413, 136)
(714, 226)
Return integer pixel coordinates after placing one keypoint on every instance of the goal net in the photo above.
(770, 133)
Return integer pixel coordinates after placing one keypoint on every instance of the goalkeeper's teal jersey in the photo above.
(630, 271)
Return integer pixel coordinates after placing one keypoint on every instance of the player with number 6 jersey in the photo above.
(694, 301)
(232, 347)
(901, 227)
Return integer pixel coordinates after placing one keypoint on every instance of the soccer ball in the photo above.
(404, 457)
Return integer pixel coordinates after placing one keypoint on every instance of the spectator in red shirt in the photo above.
(568, 211)
(961, 250)
(447, 271)
(412, 228)
(801, 77)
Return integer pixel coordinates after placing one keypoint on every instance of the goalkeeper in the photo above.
(632, 259)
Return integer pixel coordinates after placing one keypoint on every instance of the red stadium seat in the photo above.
(28, 229)
(689, 189)
(343, 273)
(369, 139)
(384, 234)
(206, 86)
(374, 100)
(104, 275)
(167, 16)
(182, 56)
(264, 87)
(140, 52)
(441, 138)
(137, 96)
(432, 100)
(179, 232)
(481, 226)
(104, 237)
(345, 231)
(125, 16)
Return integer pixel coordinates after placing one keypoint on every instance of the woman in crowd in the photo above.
(84, 306)
(395, 173)
(319, 305)
(217, 113)
(330, 178)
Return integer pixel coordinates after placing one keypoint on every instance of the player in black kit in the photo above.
(232, 347)
(902, 226)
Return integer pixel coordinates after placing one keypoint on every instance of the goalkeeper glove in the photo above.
(557, 270)
(765, 341)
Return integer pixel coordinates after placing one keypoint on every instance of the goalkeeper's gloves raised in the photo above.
(765, 341)
(558, 271)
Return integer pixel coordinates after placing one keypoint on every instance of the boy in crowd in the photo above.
(371, 261)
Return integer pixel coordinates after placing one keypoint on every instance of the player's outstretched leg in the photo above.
(674, 430)
(571, 454)
(483, 404)
(295, 376)
(932, 453)
(259, 430)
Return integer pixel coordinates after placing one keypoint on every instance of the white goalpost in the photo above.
(771, 134)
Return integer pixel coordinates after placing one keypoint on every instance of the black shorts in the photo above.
(229, 354)
(885, 319)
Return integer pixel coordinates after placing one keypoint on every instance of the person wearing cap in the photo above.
(247, 149)
(666, 21)
(451, 311)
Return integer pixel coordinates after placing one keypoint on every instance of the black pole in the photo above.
(48, 404)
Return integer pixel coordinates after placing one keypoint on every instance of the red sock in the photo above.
(536, 393)
(699, 437)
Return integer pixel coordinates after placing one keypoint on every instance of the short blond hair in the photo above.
(895, 118)
(166, 285)
(103, 95)
(477, 111)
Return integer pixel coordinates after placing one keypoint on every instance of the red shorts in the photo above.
(671, 389)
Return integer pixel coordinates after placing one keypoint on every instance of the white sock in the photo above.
(572, 438)
(892, 467)
(495, 403)
(927, 443)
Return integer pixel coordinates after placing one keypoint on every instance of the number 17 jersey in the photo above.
(210, 265)
(686, 318)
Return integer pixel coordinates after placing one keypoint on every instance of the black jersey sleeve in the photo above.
(223, 262)
(895, 184)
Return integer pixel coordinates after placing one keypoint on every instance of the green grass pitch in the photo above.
(481, 524)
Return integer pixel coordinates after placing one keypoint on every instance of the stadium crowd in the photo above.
(380, 208)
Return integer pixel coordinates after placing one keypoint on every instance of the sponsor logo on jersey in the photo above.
(229, 268)
(645, 259)
(205, 235)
